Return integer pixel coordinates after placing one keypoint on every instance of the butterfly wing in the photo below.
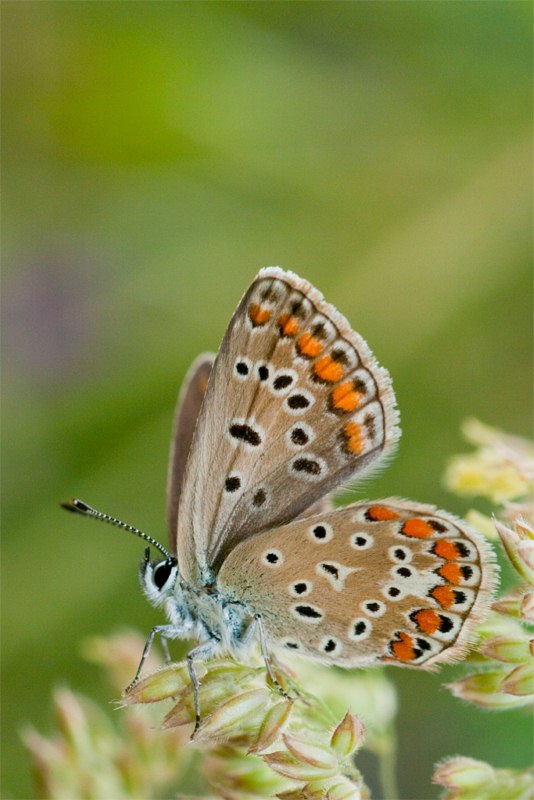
(296, 404)
(185, 419)
(391, 581)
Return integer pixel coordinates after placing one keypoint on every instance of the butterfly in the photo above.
(294, 405)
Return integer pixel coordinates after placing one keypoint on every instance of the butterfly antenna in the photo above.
(79, 507)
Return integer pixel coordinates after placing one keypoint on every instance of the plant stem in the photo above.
(387, 764)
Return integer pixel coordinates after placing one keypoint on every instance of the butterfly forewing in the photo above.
(296, 404)
(390, 581)
(187, 410)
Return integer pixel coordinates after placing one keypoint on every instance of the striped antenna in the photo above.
(79, 507)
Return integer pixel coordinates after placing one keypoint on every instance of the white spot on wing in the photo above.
(359, 629)
(272, 558)
(299, 435)
(328, 332)
(361, 540)
(350, 357)
(238, 438)
(242, 368)
(299, 401)
(400, 554)
(283, 381)
(300, 588)
(308, 467)
(335, 573)
(291, 644)
(373, 608)
(417, 583)
(368, 390)
(330, 646)
(308, 613)
(321, 532)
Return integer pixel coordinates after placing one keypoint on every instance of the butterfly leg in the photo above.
(166, 632)
(165, 648)
(202, 652)
(257, 624)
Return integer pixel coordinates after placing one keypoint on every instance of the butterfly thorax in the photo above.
(216, 616)
(202, 613)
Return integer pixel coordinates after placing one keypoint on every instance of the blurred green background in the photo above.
(155, 155)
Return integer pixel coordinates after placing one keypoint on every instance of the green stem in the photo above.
(387, 769)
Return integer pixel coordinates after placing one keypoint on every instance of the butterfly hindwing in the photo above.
(296, 404)
(391, 581)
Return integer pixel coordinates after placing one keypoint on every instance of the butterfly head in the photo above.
(158, 578)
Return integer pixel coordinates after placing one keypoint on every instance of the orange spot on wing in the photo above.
(259, 315)
(404, 649)
(444, 596)
(417, 529)
(345, 398)
(427, 621)
(288, 325)
(309, 345)
(451, 572)
(353, 436)
(381, 513)
(328, 370)
(447, 550)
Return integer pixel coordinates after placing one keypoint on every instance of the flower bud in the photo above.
(316, 755)
(48, 758)
(485, 690)
(519, 546)
(507, 649)
(468, 779)
(286, 764)
(231, 670)
(231, 773)
(520, 682)
(509, 605)
(463, 773)
(343, 789)
(348, 736)
(272, 725)
(239, 712)
(70, 714)
(166, 682)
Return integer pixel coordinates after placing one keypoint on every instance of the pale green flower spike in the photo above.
(257, 743)
(468, 779)
(501, 471)
(509, 683)
(91, 756)
(253, 743)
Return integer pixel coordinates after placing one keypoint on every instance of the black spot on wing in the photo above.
(307, 465)
(245, 433)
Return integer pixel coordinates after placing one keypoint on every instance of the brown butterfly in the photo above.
(293, 405)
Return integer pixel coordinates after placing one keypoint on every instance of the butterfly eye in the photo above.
(161, 573)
